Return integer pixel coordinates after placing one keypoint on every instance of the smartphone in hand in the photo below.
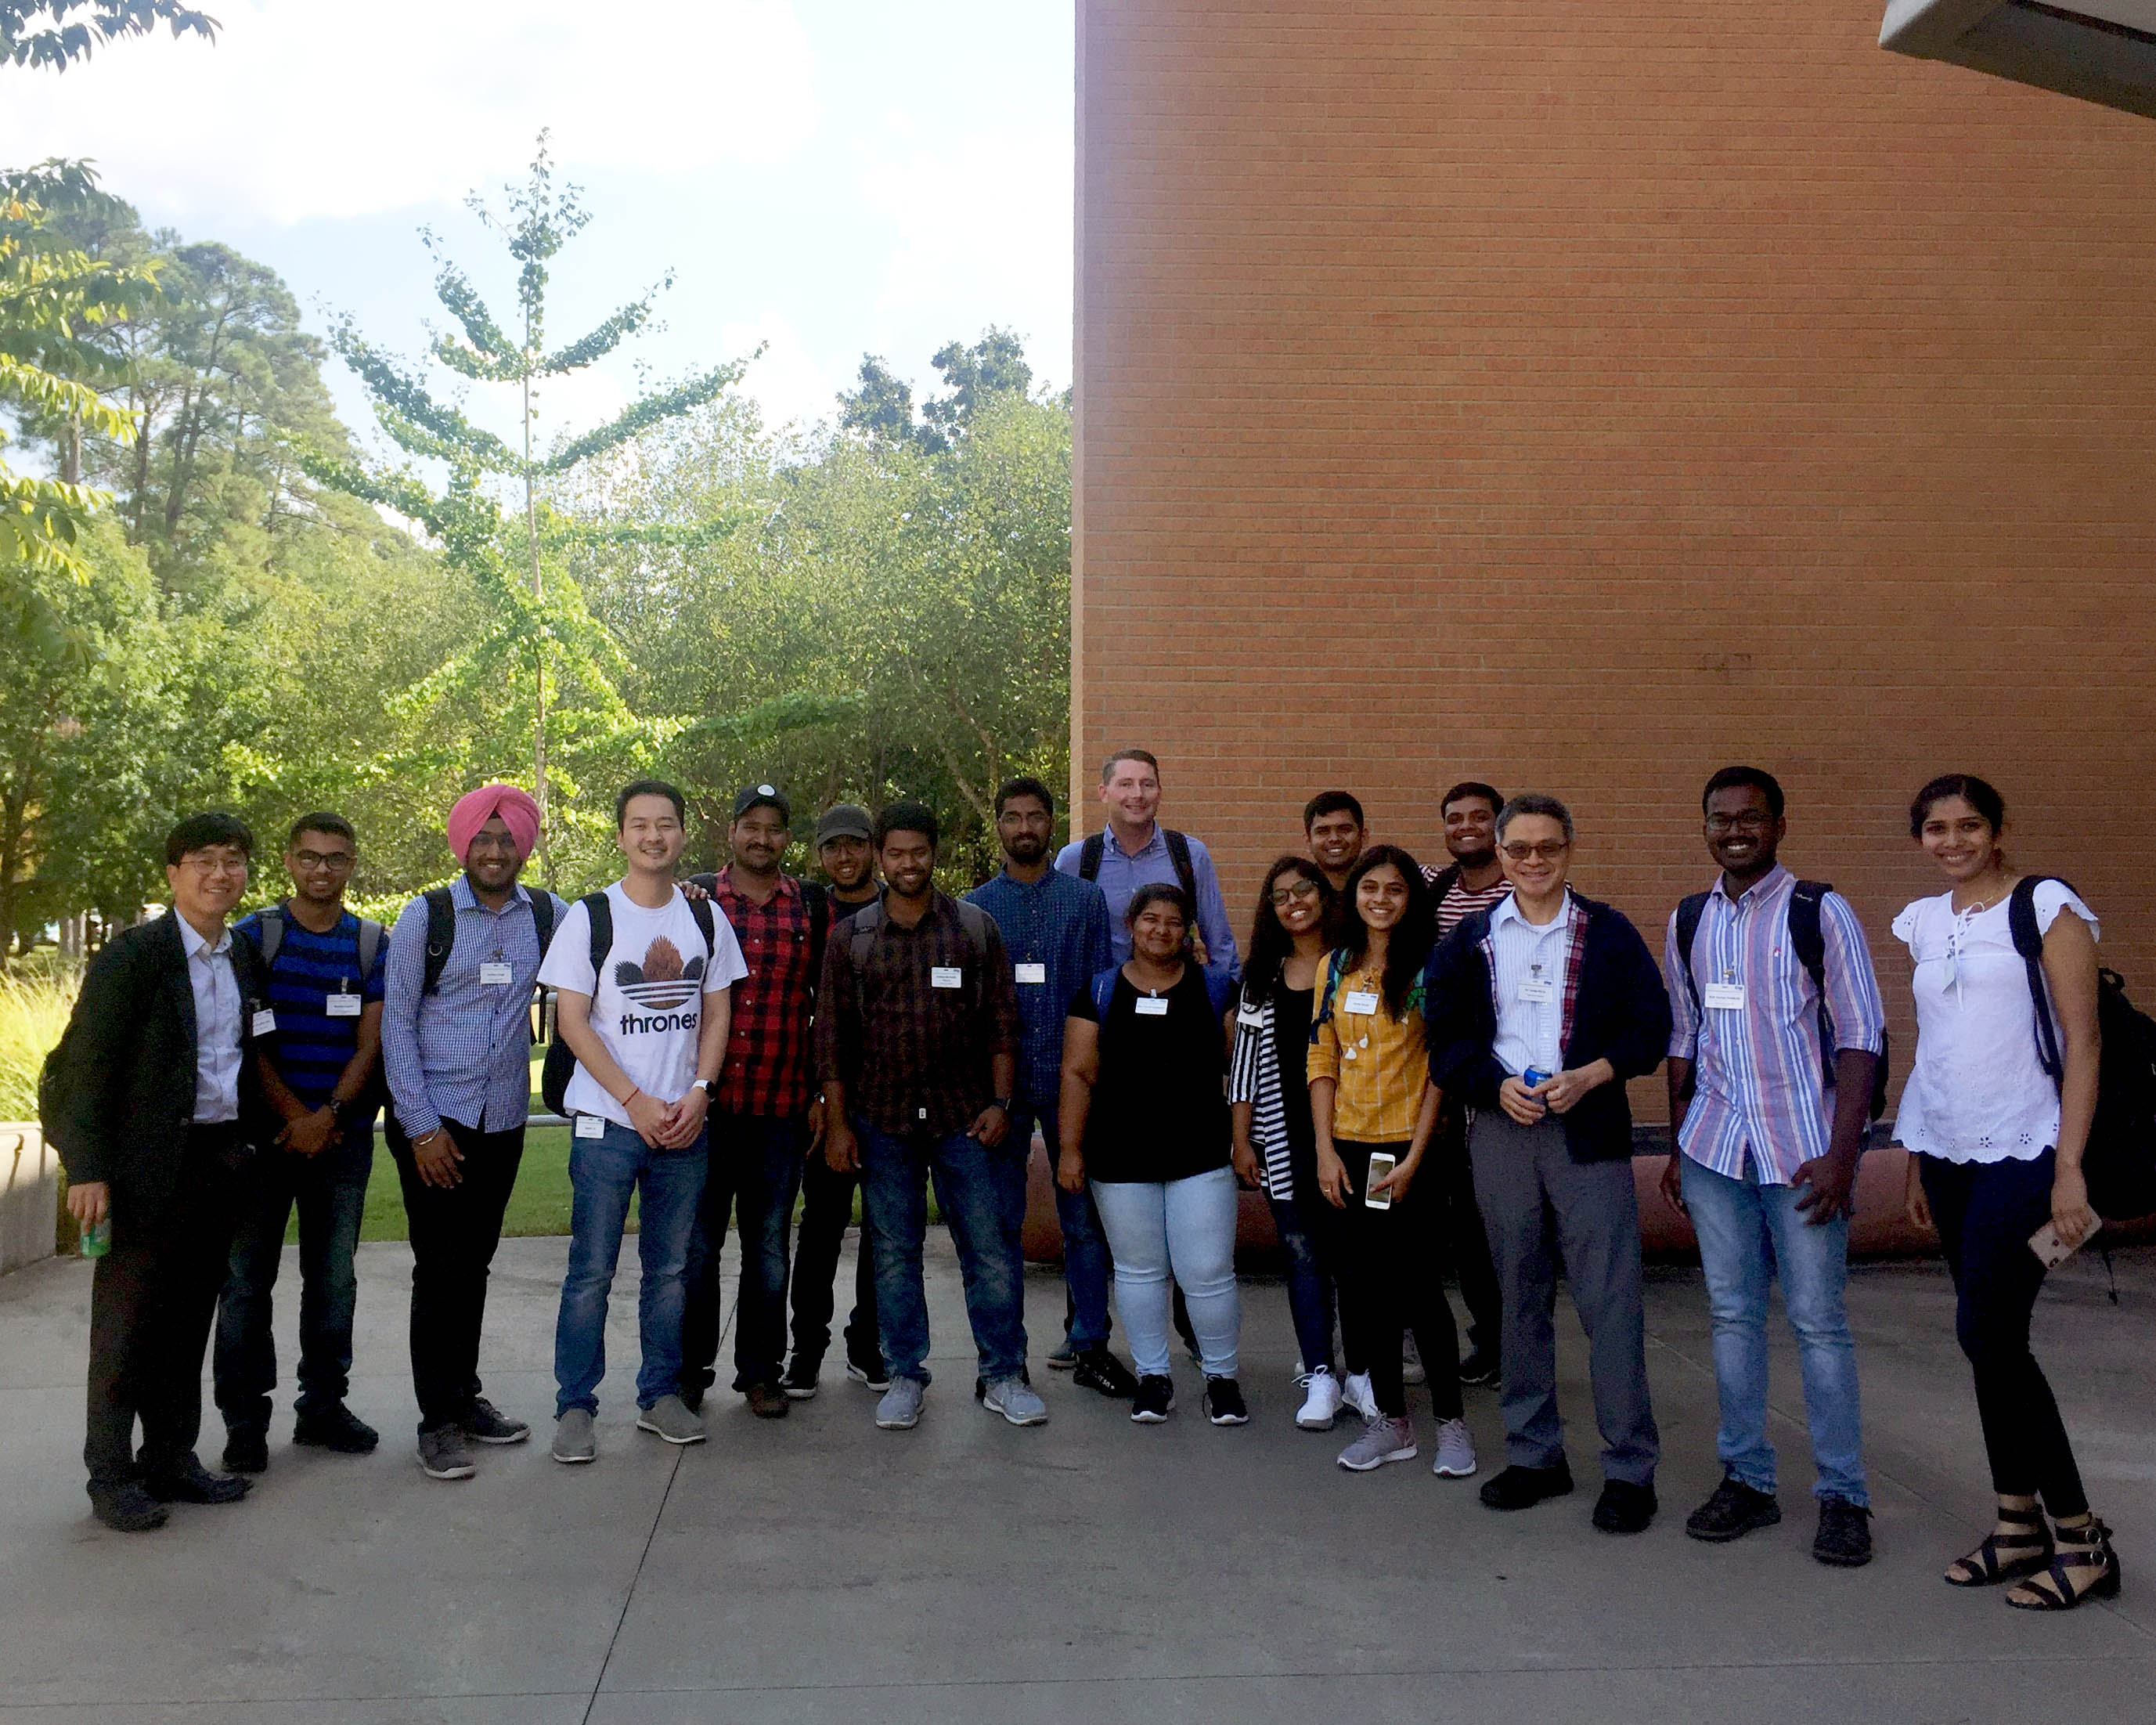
(1381, 1165)
(2050, 1250)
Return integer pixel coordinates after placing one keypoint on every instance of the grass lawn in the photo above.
(539, 1204)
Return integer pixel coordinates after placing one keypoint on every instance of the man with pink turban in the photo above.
(456, 1048)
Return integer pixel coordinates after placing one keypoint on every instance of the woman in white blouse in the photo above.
(1996, 1153)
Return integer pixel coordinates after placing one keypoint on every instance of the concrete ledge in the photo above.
(29, 1195)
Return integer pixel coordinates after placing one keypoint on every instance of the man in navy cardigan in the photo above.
(1539, 1008)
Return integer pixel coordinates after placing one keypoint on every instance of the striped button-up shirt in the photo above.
(1762, 1081)
(464, 1051)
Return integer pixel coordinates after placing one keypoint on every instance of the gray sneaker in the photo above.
(1016, 1400)
(445, 1454)
(669, 1418)
(1382, 1441)
(574, 1440)
(1455, 1451)
(900, 1410)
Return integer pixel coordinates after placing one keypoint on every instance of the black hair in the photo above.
(1471, 788)
(1271, 943)
(1407, 949)
(1757, 779)
(198, 832)
(649, 788)
(322, 821)
(1978, 794)
(1155, 892)
(1108, 766)
(1024, 785)
(1331, 803)
(906, 816)
(1535, 803)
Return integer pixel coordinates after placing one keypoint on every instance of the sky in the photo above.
(829, 178)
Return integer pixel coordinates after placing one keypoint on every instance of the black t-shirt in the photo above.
(1160, 1103)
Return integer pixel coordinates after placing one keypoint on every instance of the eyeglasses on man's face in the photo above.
(1296, 892)
(307, 861)
(1548, 850)
(1751, 820)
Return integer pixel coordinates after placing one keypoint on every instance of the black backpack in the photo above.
(2119, 1163)
(1178, 853)
(442, 929)
(561, 1063)
(1810, 942)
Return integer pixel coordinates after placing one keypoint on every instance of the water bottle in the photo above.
(97, 1238)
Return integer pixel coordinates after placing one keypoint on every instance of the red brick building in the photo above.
(1583, 394)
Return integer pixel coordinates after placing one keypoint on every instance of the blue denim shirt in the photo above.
(1061, 924)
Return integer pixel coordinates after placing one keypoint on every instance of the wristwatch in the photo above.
(709, 1087)
(1002, 1102)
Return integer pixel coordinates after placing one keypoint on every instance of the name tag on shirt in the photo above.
(343, 1006)
(946, 976)
(1033, 974)
(1724, 996)
(1152, 1006)
(1363, 1000)
(266, 1021)
(590, 1126)
(494, 974)
(1535, 994)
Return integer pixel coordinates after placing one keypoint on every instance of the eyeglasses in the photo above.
(1300, 892)
(488, 841)
(1549, 849)
(1752, 820)
(309, 860)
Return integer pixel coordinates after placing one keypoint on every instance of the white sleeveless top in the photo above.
(1977, 1091)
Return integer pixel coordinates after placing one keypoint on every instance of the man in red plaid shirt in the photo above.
(760, 1119)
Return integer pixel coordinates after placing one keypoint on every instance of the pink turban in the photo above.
(473, 811)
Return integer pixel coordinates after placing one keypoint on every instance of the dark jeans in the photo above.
(1387, 1289)
(1986, 1213)
(756, 1169)
(1460, 1235)
(454, 1230)
(1309, 1285)
(152, 1301)
(1087, 1266)
(827, 1210)
(330, 1192)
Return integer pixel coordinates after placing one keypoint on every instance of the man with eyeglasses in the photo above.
(320, 1076)
(1055, 929)
(1539, 1010)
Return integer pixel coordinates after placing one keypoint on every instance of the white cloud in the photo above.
(305, 109)
(791, 384)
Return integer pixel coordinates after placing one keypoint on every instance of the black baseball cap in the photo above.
(751, 795)
(845, 820)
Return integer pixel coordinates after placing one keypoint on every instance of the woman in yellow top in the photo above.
(1370, 1095)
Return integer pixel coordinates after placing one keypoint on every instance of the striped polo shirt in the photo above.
(311, 1049)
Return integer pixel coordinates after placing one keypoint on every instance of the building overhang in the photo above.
(2100, 50)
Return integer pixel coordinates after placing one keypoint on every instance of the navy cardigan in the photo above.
(1621, 1014)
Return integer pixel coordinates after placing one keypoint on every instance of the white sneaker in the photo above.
(1357, 1392)
(1455, 1451)
(1321, 1406)
(1300, 1377)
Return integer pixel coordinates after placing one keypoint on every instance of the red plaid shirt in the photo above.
(767, 1071)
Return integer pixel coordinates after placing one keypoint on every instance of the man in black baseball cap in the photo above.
(751, 796)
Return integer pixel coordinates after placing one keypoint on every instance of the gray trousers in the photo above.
(1533, 1195)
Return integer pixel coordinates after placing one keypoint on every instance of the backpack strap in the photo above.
(2029, 942)
(1808, 940)
(600, 909)
(1090, 855)
(700, 909)
(1690, 909)
(1335, 962)
(272, 919)
(861, 931)
(817, 902)
(542, 919)
(1178, 853)
(371, 936)
(975, 921)
(441, 935)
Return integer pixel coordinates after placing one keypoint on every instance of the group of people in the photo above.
(1423, 1068)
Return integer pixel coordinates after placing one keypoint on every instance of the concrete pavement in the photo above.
(817, 1569)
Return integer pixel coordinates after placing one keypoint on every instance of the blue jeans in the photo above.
(330, 1193)
(972, 1190)
(755, 1172)
(604, 1171)
(1748, 1234)
(1309, 1286)
(1187, 1227)
(1087, 1267)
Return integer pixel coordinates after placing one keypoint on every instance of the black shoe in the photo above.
(800, 1380)
(486, 1423)
(1735, 1510)
(1479, 1370)
(767, 1401)
(1524, 1488)
(1625, 1507)
(1097, 1369)
(1844, 1539)
(191, 1482)
(1154, 1402)
(1223, 1402)
(335, 1428)
(869, 1377)
(246, 1450)
(127, 1508)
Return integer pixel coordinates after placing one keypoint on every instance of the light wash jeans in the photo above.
(1748, 1234)
(1187, 1227)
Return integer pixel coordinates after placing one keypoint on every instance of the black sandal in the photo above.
(1988, 1565)
(2084, 1548)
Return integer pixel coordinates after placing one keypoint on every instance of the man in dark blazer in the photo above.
(153, 1103)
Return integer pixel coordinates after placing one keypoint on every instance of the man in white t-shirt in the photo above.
(644, 1006)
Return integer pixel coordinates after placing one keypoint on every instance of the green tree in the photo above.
(57, 32)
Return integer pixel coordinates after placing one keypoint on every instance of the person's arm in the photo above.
(2069, 967)
(1081, 1069)
(1006, 1036)
(1321, 1072)
(1642, 1041)
(98, 1034)
(1221, 959)
(1242, 1098)
(836, 1031)
(1684, 1044)
(306, 1131)
(573, 1023)
(1859, 1018)
(404, 974)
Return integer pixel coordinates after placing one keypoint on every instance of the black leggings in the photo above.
(1985, 1212)
(1387, 1264)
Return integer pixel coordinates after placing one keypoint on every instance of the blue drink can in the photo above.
(1532, 1076)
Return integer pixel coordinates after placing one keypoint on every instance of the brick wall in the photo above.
(1583, 394)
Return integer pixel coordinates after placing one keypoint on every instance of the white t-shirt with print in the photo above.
(648, 1008)
(1977, 1091)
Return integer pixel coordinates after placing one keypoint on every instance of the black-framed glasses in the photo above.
(1548, 850)
(1295, 893)
(1751, 820)
(311, 860)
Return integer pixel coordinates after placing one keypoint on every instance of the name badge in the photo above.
(1363, 1000)
(1725, 997)
(343, 1006)
(1250, 1017)
(1152, 1006)
(266, 1021)
(590, 1126)
(494, 974)
(946, 976)
(1037, 974)
(1535, 994)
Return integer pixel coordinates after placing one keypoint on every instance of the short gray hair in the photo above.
(1534, 803)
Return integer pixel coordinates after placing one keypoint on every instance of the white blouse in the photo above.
(1977, 1091)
